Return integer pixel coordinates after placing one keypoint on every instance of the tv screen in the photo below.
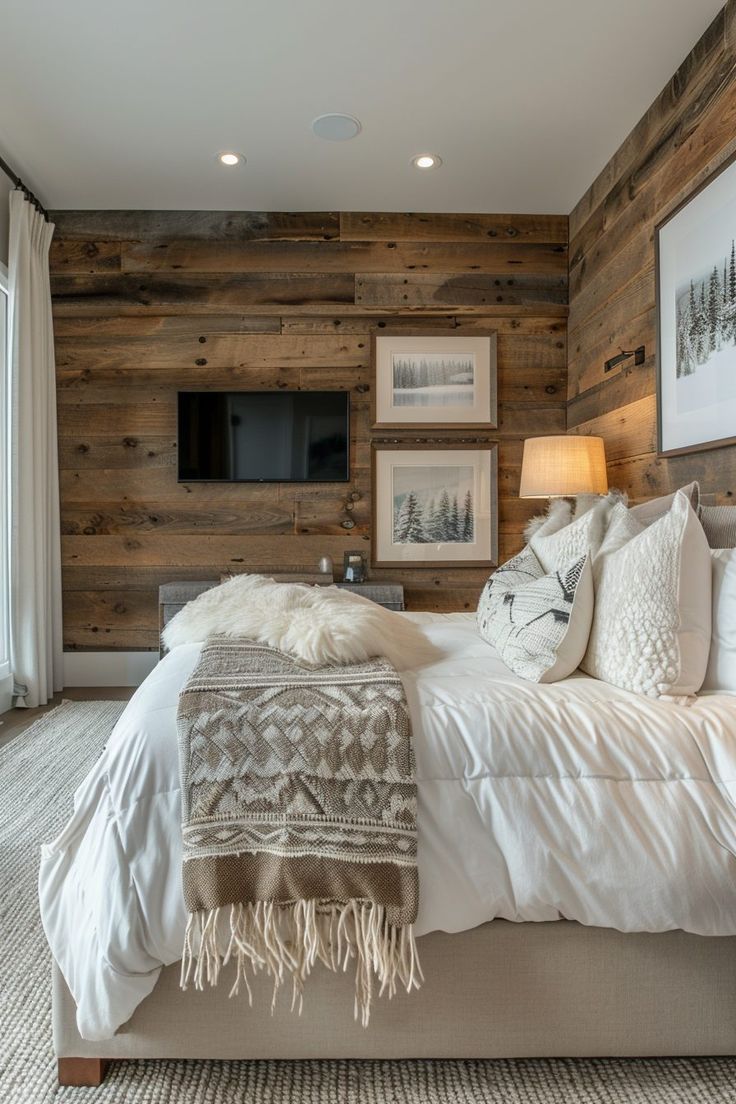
(264, 436)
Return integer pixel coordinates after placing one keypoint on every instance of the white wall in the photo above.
(5, 189)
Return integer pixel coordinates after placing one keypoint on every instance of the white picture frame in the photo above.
(435, 507)
(696, 319)
(432, 380)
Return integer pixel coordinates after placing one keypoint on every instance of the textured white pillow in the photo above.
(652, 621)
(721, 673)
(556, 544)
(538, 622)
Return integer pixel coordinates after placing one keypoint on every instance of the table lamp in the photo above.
(557, 467)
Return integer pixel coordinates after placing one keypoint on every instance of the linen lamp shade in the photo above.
(558, 466)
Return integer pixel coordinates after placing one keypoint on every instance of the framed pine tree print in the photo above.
(435, 507)
(696, 319)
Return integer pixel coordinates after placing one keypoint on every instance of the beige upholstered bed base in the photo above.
(501, 990)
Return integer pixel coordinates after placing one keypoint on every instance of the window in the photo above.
(4, 479)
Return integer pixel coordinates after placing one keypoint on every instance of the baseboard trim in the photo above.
(107, 668)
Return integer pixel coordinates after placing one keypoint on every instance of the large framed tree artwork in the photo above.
(435, 507)
(696, 319)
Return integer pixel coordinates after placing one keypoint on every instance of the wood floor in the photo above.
(16, 721)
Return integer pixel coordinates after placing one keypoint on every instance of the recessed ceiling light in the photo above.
(426, 161)
(336, 127)
(229, 158)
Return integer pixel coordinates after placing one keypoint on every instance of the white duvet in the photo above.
(575, 800)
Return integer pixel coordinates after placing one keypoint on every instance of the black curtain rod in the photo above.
(26, 191)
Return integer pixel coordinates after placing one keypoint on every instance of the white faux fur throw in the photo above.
(317, 625)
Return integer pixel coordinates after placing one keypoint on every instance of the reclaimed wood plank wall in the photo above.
(688, 131)
(146, 303)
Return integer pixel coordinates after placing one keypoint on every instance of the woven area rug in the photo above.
(39, 771)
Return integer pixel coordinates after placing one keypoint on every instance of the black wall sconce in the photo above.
(639, 356)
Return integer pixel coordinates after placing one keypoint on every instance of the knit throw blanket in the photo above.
(298, 821)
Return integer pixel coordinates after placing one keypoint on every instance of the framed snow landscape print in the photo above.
(431, 380)
(435, 507)
(696, 319)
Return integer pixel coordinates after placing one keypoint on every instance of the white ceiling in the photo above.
(124, 105)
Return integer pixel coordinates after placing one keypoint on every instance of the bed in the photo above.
(576, 861)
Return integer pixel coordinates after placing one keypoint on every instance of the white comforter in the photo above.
(574, 800)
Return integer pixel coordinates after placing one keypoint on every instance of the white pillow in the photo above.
(538, 622)
(556, 545)
(652, 621)
(721, 672)
(655, 508)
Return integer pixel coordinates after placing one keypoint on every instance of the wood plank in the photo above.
(84, 256)
(109, 386)
(545, 350)
(210, 555)
(586, 366)
(533, 385)
(122, 452)
(387, 226)
(522, 419)
(100, 518)
(151, 325)
(215, 351)
(631, 301)
(159, 484)
(491, 292)
(648, 475)
(627, 386)
(92, 610)
(197, 225)
(458, 323)
(627, 431)
(153, 418)
(636, 254)
(205, 551)
(237, 257)
(175, 293)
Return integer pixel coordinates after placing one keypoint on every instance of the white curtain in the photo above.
(36, 652)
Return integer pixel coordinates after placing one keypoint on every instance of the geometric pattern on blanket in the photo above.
(299, 813)
(526, 615)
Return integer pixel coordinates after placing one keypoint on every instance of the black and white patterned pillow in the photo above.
(538, 622)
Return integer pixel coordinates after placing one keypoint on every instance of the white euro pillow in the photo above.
(559, 541)
(652, 622)
(720, 677)
(538, 621)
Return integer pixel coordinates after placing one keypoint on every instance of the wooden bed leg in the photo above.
(82, 1071)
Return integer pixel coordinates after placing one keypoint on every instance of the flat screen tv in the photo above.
(264, 436)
